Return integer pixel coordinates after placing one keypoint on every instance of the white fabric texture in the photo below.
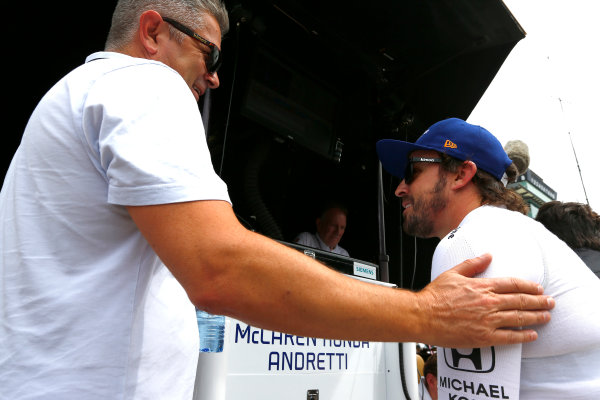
(87, 309)
(313, 240)
(564, 362)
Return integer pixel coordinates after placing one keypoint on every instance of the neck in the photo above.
(133, 49)
(461, 203)
(325, 243)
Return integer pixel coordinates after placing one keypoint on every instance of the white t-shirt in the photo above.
(564, 362)
(313, 240)
(87, 309)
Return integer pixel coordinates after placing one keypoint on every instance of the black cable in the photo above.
(579, 169)
(235, 63)
(576, 160)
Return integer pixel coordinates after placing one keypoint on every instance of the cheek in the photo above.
(330, 231)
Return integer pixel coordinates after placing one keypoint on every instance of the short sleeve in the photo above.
(151, 139)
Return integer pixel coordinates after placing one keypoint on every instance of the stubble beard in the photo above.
(420, 221)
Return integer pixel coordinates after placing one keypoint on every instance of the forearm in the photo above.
(229, 270)
(279, 288)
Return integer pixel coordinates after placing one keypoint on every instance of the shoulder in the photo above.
(134, 89)
(507, 235)
(132, 76)
(496, 223)
(305, 238)
(342, 251)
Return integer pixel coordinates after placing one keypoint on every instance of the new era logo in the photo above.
(450, 144)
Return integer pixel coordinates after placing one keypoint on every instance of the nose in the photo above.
(402, 189)
(213, 80)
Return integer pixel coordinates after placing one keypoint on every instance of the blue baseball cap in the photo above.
(453, 137)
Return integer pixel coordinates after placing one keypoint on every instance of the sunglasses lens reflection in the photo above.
(214, 60)
(408, 173)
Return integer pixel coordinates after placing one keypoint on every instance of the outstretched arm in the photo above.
(229, 270)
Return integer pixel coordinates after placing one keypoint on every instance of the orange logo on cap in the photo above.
(450, 144)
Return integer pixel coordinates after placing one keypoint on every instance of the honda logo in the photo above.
(481, 360)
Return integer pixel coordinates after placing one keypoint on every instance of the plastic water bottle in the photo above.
(212, 331)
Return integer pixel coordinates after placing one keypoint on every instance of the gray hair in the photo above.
(127, 13)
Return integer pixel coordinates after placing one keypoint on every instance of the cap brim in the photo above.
(393, 155)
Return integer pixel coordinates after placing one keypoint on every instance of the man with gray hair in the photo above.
(113, 219)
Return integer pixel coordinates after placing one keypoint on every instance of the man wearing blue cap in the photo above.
(453, 186)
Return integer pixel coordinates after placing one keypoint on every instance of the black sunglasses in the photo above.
(409, 173)
(214, 57)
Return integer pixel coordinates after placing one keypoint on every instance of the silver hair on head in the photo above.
(127, 13)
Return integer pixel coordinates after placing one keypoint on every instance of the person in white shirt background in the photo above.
(330, 227)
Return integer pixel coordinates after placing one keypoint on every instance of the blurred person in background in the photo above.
(578, 226)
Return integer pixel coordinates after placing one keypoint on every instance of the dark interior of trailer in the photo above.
(307, 88)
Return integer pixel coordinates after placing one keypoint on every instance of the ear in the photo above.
(151, 25)
(465, 174)
(431, 381)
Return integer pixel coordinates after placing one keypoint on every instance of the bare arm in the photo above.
(229, 270)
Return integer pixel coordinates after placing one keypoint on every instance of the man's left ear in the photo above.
(465, 174)
(150, 26)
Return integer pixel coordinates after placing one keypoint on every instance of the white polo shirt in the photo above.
(87, 309)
